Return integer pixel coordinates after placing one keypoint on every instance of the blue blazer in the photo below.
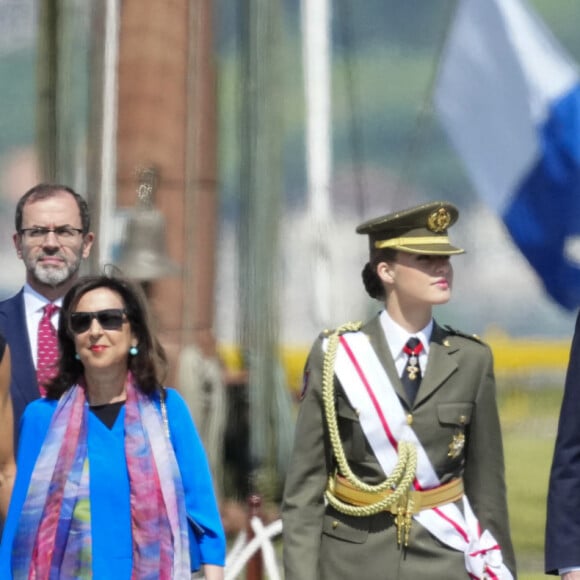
(23, 384)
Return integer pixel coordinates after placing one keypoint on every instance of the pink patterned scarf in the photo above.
(53, 538)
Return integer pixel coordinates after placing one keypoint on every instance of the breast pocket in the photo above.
(346, 528)
(455, 414)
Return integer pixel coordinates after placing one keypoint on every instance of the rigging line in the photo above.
(355, 134)
(425, 109)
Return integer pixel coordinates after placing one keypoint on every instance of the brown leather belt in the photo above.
(421, 500)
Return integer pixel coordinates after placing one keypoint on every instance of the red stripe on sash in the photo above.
(387, 429)
(477, 552)
(365, 382)
(459, 529)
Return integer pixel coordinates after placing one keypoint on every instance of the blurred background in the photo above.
(203, 105)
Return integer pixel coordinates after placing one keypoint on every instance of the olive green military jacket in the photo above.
(457, 395)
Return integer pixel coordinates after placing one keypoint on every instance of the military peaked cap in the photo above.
(417, 230)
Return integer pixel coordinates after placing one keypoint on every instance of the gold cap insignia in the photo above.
(439, 220)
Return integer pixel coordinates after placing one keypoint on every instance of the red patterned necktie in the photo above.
(47, 353)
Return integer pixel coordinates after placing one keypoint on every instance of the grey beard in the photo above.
(55, 276)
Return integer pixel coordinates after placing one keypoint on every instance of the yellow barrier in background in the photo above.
(517, 355)
(512, 356)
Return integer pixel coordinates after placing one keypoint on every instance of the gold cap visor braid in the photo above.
(420, 245)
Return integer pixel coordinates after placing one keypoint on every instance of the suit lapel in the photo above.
(23, 371)
(439, 364)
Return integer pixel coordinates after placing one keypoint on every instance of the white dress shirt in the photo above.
(397, 337)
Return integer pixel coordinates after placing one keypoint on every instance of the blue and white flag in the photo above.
(509, 98)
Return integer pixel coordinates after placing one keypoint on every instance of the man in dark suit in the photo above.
(52, 238)
(563, 516)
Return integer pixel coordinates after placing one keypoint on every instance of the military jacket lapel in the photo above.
(374, 331)
(440, 364)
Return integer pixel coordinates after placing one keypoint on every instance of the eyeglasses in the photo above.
(110, 319)
(63, 233)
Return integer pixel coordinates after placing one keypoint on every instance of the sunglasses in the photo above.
(110, 319)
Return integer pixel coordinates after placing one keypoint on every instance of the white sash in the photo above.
(384, 424)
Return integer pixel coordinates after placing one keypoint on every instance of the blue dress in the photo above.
(109, 487)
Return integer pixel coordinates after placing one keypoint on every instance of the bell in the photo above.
(143, 254)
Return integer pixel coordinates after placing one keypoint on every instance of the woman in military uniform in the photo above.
(397, 469)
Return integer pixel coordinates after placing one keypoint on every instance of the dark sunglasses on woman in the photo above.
(109, 319)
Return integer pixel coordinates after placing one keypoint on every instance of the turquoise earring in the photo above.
(77, 356)
(133, 350)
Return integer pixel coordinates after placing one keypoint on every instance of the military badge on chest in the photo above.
(458, 442)
(456, 445)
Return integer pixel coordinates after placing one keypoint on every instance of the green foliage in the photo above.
(384, 62)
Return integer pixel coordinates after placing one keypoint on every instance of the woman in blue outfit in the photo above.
(112, 479)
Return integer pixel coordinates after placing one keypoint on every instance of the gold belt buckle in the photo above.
(414, 501)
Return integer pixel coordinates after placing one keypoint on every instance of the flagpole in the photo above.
(317, 85)
(108, 153)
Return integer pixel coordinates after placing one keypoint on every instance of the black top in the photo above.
(2, 346)
(108, 413)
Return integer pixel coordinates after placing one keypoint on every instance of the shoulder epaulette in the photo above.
(456, 332)
(344, 328)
